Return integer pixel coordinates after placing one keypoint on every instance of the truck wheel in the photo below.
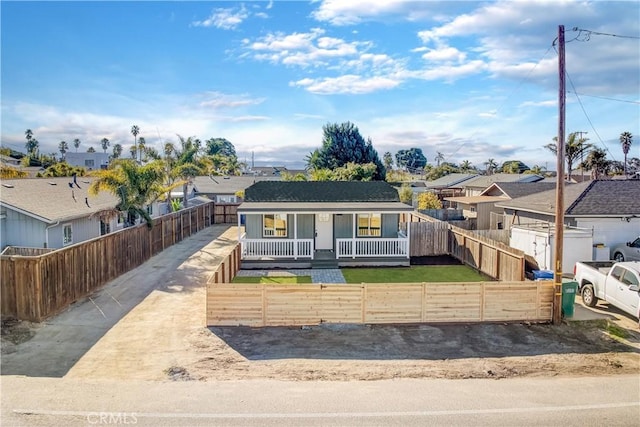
(618, 257)
(588, 298)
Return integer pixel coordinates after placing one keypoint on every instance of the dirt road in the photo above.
(150, 325)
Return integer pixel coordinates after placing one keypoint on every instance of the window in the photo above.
(629, 279)
(617, 272)
(369, 225)
(150, 209)
(274, 225)
(67, 235)
(89, 163)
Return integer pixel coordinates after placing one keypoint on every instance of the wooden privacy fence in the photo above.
(226, 213)
(492, 258)
(36, 287)
(377, 303)
(430, 236)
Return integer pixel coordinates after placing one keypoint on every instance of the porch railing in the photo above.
(372, 247)
(277, 248)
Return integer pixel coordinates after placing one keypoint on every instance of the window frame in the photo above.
(66, 226)
(274, 229)
(368, 228)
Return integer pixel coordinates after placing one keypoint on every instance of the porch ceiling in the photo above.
(340, 207)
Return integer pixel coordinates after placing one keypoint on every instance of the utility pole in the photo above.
(559, 225)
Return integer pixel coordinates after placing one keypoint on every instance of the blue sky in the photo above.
(472, 80)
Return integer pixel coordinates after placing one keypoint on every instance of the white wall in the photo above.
(611, 231)
(577, 246)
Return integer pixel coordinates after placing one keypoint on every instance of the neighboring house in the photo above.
(89, 161)
(323, 224)
(224, 189)
(475, 186)
(449, 185)
(483, 207)
(49, 213)
(598, 215)
(9, 160)
(55, 212)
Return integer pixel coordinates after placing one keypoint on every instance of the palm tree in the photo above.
(63, 147)
(105, 144)
(135, 186)
(491, 166)
(133, 150)
(76, 143)
(536, 170)
(141, 147)
(117, 151)
(465, 166)
(28, 134)
(574, 149)
(626, 141)
(439, 158)
(91, 150)
(597, 162)
(183, 164)
(135, 130)
(32, 144)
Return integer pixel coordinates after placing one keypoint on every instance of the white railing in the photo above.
(277, 248)
(372, 247)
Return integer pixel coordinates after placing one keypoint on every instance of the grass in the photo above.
(273, 279)
(415, 274)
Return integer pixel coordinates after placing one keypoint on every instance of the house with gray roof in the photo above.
(476, 185)
(224, 189)
(323, 224)
(608, 211)
(55, 212)
(52, 212)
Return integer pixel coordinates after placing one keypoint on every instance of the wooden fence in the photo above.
(377, 303)
(36, 287)
(430, 236)
(226, 213)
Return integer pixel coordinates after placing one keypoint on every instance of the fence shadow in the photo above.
(58, 343)
(419, 342)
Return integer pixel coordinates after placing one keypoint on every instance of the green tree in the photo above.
(341, 144)
(220, 146)
(117, 151)
(387, 159)
(597, 163)
(514, 166)
(9, 172)
(428, 200)
(406, 194)
(183, 164)
(105, 144)
(135, 130)
(355, 172)
(574, 148)
(76, 144)
(626, 139)
(142, 148)
(439, 158)
(466, 166)
(287, 176)
(491, 166)
(32, 144)
(63, 169)
(63, 147)
(133, 150)
(91, 150)
(411, 159)
(135, 186)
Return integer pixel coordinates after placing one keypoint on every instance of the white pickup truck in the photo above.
(617, 283)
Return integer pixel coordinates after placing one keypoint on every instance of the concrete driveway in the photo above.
(113, 328)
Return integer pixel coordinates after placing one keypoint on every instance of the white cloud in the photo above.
(444, 53)
(218, 100)
(351, 84)
(341, 12)
(225, 19)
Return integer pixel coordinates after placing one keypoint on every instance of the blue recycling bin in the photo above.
(542, 275)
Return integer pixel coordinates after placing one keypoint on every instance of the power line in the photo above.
(606, 97)
(587, 116)
(588, 33)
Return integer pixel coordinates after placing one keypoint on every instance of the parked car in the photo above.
(617, 283)
(629, 251)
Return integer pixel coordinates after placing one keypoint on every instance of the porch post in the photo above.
(409, 218)
(295, 235)
(353, 236)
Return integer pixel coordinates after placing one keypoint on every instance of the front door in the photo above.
(324, 231)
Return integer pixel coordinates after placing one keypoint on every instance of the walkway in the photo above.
(318, 275)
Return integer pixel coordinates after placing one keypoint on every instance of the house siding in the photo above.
(82, 228)
(390, 225)
(611, 231)
(22, 230)
(306, 226)
(343, 226)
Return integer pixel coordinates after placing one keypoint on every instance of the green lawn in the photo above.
(414, 274)
(273, 279)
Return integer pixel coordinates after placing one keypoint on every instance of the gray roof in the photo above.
(514, 190)
(52, 199)
(593, 198)
(485, 181)
(321, 191)
(227, 184)
(453, 179)
(341, 207)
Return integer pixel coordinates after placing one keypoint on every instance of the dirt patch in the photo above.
(15, 332)
(375, 352)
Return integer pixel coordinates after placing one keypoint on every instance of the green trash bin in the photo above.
(569, 290)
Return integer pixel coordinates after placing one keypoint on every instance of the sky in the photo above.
(471, 80)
